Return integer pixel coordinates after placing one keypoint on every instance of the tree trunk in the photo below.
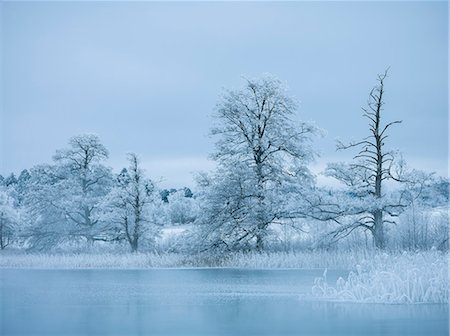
(137, 224)
(2, 243)
(378, 229)
(259, 242)
(260, 214)
(134, 246)
(90, 240)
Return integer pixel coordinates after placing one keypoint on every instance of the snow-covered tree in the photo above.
(261, 153)
(20, 188)
(9, 219)
(181, 207)
(227, 213)
(131, 203)
(82, 183)
(45, 223)
(10, 180)
(63, 201)
(424, 224)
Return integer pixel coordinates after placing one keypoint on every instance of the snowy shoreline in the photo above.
(374, 277)
(273, 260)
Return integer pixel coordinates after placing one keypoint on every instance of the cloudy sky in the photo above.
(145, 76)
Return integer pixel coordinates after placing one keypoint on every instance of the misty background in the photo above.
(145, 76)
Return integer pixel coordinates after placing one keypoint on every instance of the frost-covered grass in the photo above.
(392, 278)
(88, 260)
(307, 259)
(343, 260)
(317, 259)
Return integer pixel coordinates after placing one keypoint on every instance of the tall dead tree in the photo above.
(366, 176)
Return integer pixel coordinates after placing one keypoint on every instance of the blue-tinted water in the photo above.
(194, 302)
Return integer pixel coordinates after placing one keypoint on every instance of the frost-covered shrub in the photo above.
(421, 228)
(181, 209)
(405, 278)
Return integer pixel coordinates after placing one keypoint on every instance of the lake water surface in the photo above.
(195, 302)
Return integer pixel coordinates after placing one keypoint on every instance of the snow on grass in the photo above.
(343, 260)
(84, 260)
(388, 278)
(307, 259)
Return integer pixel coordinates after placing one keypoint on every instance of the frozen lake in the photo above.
(194, 302)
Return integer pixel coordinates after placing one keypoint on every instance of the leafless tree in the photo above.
(367, 175)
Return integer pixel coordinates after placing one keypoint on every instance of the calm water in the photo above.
(194, 302)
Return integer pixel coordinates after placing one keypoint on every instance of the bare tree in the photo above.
(366, 176)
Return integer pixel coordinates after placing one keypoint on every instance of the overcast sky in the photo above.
(146, 76)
